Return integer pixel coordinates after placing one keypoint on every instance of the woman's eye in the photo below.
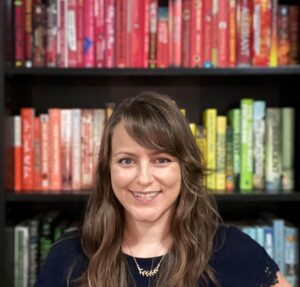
(162, 160)
(125, 161)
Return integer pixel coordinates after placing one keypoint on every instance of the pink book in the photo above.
(177, 32)
(99, 33)
(27, 130)
(162, 38)
(51, 51)
(196, 35)
(109, 33)
(186, 33)
(135, 34)
(55, 150)
(207, 33)
(223, 34)
(153, 33)
(88, 37)
(76, 149)
(171, 16)
(145, 6)
(71, 38)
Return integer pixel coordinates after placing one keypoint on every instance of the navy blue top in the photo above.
(238, 261)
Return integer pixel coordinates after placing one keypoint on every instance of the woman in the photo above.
(150, 221)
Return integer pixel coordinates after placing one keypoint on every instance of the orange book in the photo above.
(17, 154)
(87, 149)
(55, 150)
(27, 129)
(37, 155)
(232, 33)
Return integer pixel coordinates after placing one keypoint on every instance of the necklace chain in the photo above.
(143, 272)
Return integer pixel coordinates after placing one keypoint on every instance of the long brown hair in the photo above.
(155, 122)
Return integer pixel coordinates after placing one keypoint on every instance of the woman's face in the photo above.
(146, 182)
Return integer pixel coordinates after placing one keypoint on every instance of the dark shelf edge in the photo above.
(292, 197)
(251, 71)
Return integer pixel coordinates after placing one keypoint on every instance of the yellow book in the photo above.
(210, 123)
(201, 141)
(193, 128)
(221, 154)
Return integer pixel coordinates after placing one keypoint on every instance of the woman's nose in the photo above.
(144, 175)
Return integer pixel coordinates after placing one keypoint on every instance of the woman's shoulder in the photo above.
(240, 260)
(66, 261)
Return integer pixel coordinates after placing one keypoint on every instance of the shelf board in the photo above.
(126, 72)
(82, 197)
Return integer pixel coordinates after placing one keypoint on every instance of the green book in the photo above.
(246, 178)
(234, 120)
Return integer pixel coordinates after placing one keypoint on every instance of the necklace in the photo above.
(147, 273)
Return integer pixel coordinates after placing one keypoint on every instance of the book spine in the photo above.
(28, 33)
(109, 32)
(232, 33)
(229, 160)
(273, 60)
(244, 37)
(215, 32)
(61, 36)
(153, 33)
(86, 149)
(37, 154)
(278, 228)
(55, 150)
(210, 123)
(261, 32)
(162, 38)
(88, 34)
(80, 32)
(71, 33)
(186, 33)
(17, 146)
(146, 33)
(121, 33)
(33, 251)
(269, 239)
(234, 117)
(171, 16)
(51, 51)
(294, 34)
(19, 33)
(177, 32)
(221, 154)
(76, 149)
(196, 34)
(65, 132)
(45, 142)
(27, 128)
(201, 141)
(207, 33)
(259, 134)
(283, 35)
(246, 178)
(273, 150)
(223, 34)
(288, 148)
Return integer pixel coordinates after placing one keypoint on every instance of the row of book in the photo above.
(280, 240)
(28, 244)
(57, 151)
(249, 149)
(149, 33)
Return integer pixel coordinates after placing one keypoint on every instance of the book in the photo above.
(273, 59)
(229, 161)
(17, 154)
(44, 151)
(76, 149)
(246, 176)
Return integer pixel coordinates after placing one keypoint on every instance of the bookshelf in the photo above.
(193, 89)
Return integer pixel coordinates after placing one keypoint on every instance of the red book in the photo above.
(109, 33)
(28, 33)
(171, 16)
(244, 33)
(207, 33)
(223, 34)
(145, 6)
(44, 151)
(17, 154)
(162, 38)
(62, 50)
(19, 33)
(88, 37)
(261, 32)
(55, 150)
(79, 29)
(177, 32)
(294, 35)
(51, 51)
(71, 35)
(27, 129)
(37, 154)
(215, 32)
(99, 33)
(186, 32)
(232, 33)
(153, 33)
(196, 34)
(135, 34)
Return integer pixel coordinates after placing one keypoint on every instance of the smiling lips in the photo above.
(144, 195)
